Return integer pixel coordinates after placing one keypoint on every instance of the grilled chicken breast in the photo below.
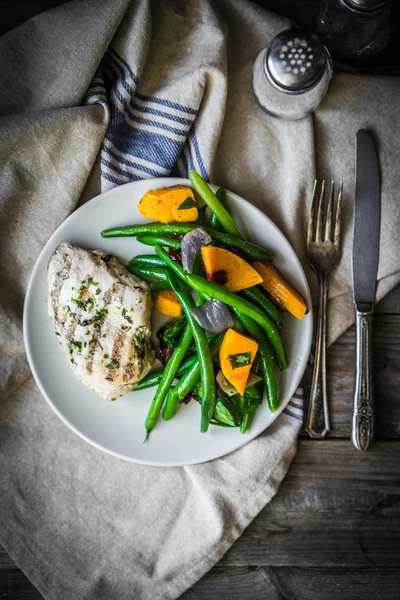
(101, 314)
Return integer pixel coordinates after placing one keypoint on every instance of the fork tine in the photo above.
(310, 229)
(338, 215)
(320, 215)
(328, 224)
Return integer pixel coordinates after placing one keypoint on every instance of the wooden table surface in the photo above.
(333, 529)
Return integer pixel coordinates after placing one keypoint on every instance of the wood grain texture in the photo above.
(341, 378)
(335, 507)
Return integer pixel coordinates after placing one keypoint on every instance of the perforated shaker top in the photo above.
(295, 60)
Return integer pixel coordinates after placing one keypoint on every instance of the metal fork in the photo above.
(323, 252)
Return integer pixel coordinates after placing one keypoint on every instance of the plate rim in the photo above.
(30, 357)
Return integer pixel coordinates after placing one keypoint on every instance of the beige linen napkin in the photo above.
(172, 92)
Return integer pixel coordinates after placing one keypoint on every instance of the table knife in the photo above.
(365, 267)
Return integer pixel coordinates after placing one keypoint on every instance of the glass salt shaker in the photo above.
(292, 75)
(353, 29)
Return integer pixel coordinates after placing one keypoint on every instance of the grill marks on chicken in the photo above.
(101, 314)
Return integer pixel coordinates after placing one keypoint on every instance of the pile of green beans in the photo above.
(253, 313)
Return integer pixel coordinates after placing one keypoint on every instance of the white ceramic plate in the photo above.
(118, 427)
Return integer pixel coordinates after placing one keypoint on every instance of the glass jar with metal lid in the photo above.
(354, 29)
(291, 76)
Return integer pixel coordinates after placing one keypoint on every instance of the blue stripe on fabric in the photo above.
(175, 171)
(95, 84)
(299, 406)
(152, 147)
(298, 396)
(155, 99)
(291, 414)
(112, 65)
(161, 113)
(109, 177)
(135, 78)
(203, 171)
(118, 170)
(168, 103)
(93, 94)
(184, 162)
(148, 122)
(129, 163)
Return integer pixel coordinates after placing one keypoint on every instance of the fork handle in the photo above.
(318, 416)
(363, 430)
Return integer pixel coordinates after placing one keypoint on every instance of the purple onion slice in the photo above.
(213, 316)
(191, 244)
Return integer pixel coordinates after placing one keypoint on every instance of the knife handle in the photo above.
(363, 430)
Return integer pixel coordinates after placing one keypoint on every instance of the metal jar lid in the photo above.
(295, 61)
(365, 6)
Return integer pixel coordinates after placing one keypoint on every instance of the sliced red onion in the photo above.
(213, 316)
(191, 244)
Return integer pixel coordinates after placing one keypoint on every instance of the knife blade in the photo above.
(366, 238)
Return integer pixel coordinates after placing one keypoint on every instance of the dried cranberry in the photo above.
(176, 255)
(163, 351)
(219, 277)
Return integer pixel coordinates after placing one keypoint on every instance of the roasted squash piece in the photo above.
(236, 354)
(228, 269)
(280, 289)
(168, 205)
(167, 303)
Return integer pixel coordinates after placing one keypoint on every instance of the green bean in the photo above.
(142, 271)
(259, 298)
(153, 379)
(188, 381)
(246, 421)
(167, 378)
(267, 362)
(214, 205)
(244, 306)
(212, 290)
(202, 216)
(221, 195)
(159, 285)
(252, 251)
(152, 240)
(172, 264)
(146, 260)
(203, 351)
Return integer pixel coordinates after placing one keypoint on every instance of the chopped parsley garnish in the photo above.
(106, 356)
(140, 334)
(113, 363)
(91, 282)
(76, 344)
(239, 360)
(188, 203)
(126, 328)
(126, 317)
(98, 291)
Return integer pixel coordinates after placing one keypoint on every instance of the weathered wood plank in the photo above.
(292, 583)
(6, 561)
(14, 585)
(341, 377)
(259, 583)
(369, 583)
(234, 583)
(336, 507)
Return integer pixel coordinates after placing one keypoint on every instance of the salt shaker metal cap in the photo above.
(291, 76)
(297, 62)
(365, 5)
